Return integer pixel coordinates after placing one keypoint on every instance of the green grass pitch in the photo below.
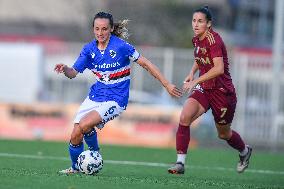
(34, 164)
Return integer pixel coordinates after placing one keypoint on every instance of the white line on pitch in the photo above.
(25, 156)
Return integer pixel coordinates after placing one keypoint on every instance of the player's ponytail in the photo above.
(119, 29)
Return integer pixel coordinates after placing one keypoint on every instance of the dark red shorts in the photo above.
(221, 102)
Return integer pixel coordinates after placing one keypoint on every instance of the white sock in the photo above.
(244, 152)
(181, 158)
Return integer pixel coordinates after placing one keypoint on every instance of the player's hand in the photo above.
(174, 91)
(188, 86)
(59, 68)
(190, 77)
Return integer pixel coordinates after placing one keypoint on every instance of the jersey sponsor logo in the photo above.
(93, 55)
(204, 61)
(105, 65)
(112, 53)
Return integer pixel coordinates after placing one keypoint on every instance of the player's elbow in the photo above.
(144, 62)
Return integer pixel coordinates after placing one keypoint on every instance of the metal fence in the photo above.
(256, 118)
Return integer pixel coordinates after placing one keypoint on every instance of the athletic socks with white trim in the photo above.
(74, 152)
(244, 152)
(181, 158)
(91, 140)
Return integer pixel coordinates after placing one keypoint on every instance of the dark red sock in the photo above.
(236, 141)
(182, 139)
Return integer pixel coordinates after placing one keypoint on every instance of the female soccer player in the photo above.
(108, 57)
(212, 89)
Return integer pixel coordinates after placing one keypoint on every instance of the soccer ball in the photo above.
(90, 162)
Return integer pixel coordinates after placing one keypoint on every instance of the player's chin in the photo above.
(100, 39)
(196, 33)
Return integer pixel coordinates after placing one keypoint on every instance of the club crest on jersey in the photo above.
(93, 55)
(203, 50)
(112, 53)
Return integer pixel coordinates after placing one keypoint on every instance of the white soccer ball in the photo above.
(90, 162)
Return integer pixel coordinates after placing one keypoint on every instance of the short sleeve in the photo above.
(132, 54)
(81, 63)
(216, 50)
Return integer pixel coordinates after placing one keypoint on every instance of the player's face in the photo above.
(200, 25)
(102, 30)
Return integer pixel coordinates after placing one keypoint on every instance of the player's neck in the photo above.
(102, 46)
(202, 36)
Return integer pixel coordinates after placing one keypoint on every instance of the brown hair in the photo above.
(205, 10)
(119, 29)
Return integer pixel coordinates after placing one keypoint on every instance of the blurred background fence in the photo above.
(37, 103)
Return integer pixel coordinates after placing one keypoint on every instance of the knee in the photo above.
(85, 126)
(224, 136)
(185, 120)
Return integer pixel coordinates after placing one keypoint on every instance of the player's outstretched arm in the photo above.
(155, 72)
(68, 72)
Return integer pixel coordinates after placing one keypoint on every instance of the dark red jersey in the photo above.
(204, 51)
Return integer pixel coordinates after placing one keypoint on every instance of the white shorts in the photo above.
(107, 110)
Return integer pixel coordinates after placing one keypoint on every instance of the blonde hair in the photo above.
(120, 29)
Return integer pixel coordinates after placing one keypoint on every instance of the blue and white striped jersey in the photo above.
(111, 69)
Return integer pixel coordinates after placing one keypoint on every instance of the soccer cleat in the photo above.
(244, 161)
(178, 168)
(69, 171)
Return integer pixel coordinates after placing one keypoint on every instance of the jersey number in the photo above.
(223, 110)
